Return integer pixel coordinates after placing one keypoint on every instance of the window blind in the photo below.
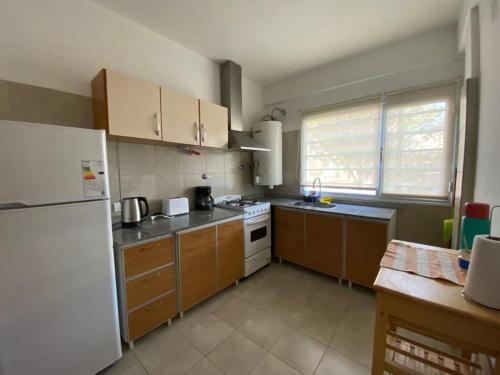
(340, 145)
(418, 142)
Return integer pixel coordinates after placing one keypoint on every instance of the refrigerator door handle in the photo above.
(12, 205)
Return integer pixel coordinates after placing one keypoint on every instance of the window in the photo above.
(341, 147)
(399, 146)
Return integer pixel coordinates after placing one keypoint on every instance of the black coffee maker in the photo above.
(204, 200)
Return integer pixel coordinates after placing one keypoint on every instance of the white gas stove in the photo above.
(250, 208)
(257, 229)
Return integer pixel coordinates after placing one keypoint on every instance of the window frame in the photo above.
(379, 196)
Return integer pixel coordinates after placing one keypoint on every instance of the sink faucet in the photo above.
(314, 185)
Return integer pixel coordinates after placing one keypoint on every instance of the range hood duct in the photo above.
(231, 97)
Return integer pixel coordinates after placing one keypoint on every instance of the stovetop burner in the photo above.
(250, 207)
(241, 203)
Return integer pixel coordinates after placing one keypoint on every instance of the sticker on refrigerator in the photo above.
(94, 179)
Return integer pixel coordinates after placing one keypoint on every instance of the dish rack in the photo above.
(405, 356)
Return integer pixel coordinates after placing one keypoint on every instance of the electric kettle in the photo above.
(132, 211)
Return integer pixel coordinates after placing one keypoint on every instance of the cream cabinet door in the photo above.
(213, 125)
(134, 107)
(180, 122)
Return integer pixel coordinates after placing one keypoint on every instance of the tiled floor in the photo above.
(281, 320)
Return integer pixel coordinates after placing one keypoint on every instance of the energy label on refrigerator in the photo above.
(94, 179)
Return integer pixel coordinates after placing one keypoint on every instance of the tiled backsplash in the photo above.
(158, 171)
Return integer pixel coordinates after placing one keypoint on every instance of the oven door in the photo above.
(257, 234)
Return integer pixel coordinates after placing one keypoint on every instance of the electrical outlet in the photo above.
(117, 207)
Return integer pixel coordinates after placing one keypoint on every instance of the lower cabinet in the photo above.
(146, 280)
(197, 266)
(366, 242)
(340, 246)
(154, 283)
(310, 240)
(151, 315)
(289, 234)
(210, 259)
(230, 253)
(324, 243)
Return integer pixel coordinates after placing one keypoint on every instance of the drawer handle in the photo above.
(151, 277)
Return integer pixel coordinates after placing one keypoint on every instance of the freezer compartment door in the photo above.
(45, 164)
(58, 310)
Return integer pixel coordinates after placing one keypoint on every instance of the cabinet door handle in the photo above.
(196, 132)
(158, 124)
(203, 134)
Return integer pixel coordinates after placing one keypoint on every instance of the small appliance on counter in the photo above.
(175, 206)
(482, 284)
(132, 211)
(204, 200)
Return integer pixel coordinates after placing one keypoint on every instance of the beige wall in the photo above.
(153, 171)
(416, 223)
(20, 102)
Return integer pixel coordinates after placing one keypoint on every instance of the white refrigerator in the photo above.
(58, 307)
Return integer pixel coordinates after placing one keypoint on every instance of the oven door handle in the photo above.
(252, 222)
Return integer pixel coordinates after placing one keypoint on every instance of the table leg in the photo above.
(381, 325)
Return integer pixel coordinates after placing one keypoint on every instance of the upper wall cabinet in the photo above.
(129, 107)
(180, 117)
(126, 106)
(213, 125)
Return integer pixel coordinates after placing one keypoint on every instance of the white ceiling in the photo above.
(274, 39)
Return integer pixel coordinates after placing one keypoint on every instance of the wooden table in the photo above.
(436, 309)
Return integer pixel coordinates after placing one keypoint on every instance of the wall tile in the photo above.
(194, 163)
(136, 159)
(233, 183)
(167, 160)
(215, 162)
(233, 161)
(168, 186)
(144, 186)
(190, 181)
(216, 181)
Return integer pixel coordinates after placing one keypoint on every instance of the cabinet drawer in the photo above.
(148, 317)
(142, 258)
(150, 286)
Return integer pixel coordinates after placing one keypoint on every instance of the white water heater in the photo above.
(268, 168)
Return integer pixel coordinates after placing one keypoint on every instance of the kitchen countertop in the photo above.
(161, 226)
(339, 209)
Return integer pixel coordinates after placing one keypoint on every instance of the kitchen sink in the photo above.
(312, 204)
